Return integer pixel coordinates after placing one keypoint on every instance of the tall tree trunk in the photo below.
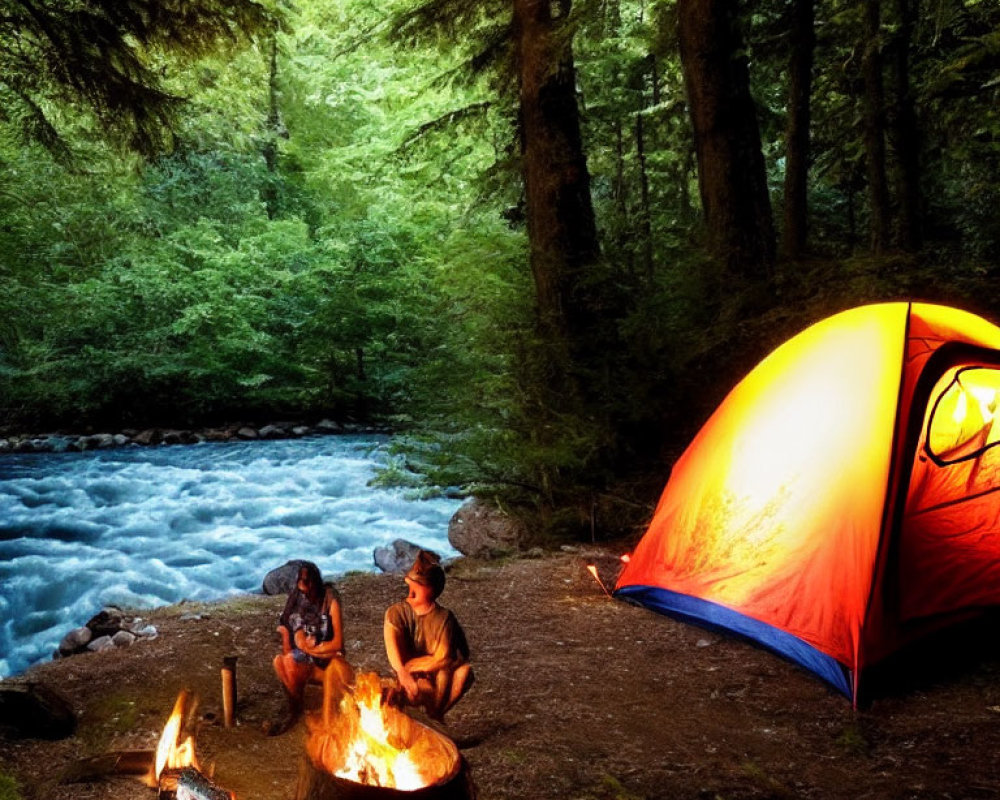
(905, 135)
(874, 127)
(731, 176)
(618, 184)
(562, 233)
(646, 214)
(800, 63)
(269, 193)
(685, 169)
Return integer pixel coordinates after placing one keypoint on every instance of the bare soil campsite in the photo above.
(576, 696)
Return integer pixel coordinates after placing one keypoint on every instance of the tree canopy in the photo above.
(108, 56)
(352, 210)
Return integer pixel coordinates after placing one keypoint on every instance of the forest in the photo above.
(539, 239)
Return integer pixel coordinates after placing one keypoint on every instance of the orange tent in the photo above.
(843, 499)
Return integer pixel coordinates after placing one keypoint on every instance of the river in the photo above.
(145, 527)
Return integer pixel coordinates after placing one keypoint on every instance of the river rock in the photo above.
(329, 426)
(75, 641)
(107, 629)
(57, 444)
(123, 638)
(482, 530)
(272, 432)
(34, 711)
(148, 436)
(301, 430)
(248, 433)
(397, 558)
(174, 437)
(98, 441)
(281, 580)
(101, 643)
(107, 622)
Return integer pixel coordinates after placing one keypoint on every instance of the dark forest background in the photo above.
(541, 239)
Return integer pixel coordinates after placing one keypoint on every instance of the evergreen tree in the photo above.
(106, 55)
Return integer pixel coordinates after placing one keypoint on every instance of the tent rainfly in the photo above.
(844, 499)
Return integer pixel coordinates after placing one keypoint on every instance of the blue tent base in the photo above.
(712, 615)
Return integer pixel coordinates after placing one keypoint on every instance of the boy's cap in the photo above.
(427, 572)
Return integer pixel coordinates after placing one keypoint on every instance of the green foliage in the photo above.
(8, 788)
(342, 233)
(107, 56)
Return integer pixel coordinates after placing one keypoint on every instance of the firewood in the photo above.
(118, 762)
(192, 785)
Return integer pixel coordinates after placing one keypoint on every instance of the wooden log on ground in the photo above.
(119, 762)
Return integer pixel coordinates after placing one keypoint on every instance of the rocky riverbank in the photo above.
(62, 442)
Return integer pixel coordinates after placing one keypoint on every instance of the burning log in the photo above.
(192, 785)
(372, 750)
(175, 772)
(172, 769)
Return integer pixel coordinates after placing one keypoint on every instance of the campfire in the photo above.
(175, 750)
(372, 749)
(175, 772)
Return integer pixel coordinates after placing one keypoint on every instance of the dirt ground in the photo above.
(576, 696)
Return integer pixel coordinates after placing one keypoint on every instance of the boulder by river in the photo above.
(482, 530)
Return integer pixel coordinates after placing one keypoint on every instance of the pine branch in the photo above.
(100, 53)
(446, 120)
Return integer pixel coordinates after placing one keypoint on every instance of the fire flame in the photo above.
(369, 756)
(374, 744)
(173, 752)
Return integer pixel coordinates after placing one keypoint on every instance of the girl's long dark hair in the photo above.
(314, 577)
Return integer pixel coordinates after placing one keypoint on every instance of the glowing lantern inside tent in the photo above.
(961, 420)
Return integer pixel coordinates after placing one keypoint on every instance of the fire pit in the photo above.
(371, 750)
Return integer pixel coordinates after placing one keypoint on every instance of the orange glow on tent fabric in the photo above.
(764, 506)
(774, 520)
(954, 501)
